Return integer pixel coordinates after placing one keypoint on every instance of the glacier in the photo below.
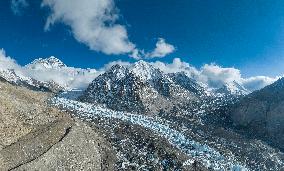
(208, 156)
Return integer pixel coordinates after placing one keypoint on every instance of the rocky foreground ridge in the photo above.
(34, 136)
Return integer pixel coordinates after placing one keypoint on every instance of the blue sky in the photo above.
(246, 34)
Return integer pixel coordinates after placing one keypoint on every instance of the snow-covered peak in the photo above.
(9, 75)
(145, 71)
(233, 88)
(117, 71)
(47, 63)
(183, 80)
(239, 88)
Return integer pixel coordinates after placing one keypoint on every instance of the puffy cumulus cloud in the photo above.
(258, 82)
(162, 49)
(212, 75)
(93, 22)
(177, 66)
(137, 54)
(7, 62)
(215, 76)
(17, 6)
(65, 76)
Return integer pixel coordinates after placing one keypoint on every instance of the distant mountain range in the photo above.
(142, 88)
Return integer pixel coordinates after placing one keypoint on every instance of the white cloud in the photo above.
(162, 49)
(176, 66)
(258, 82)
(137, 54)
(17, 6)
(66, 76)
(215, 76)
(93, 22)
(7, 62)
(210, 74)
(110, 64)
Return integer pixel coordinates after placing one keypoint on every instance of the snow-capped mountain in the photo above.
(49, 74)
(180, 78)
(233, 88)
(138, 88)
(196, 111)
(50, 63)
(53, 69)
(142, 88)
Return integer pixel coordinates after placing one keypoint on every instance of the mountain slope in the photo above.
(11, 77)
(262, 113)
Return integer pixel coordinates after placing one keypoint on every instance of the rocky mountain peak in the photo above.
(145, 71)
(181, 79)
(233, 88)
(137, 88)
(117, 71)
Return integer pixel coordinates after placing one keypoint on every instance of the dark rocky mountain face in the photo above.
(187, 83)
(261, 113)
(142, 88)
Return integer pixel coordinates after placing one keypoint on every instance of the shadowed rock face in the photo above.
(262, 113)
